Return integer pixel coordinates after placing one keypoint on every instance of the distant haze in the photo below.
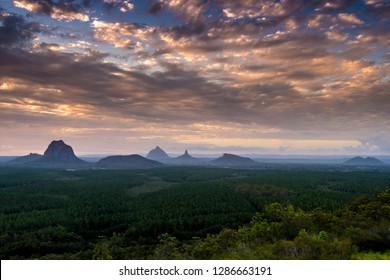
(213, 77)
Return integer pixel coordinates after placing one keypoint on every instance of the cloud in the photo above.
(15, 30)
(288, 79)
(377, 3)
(122, 5)
(192, 11)
(336, 35)
(122, 35)
(303, 70)
(63, 10)
(48, 47)
(338, 4)
(155, 7)
(65, 85)
(255, 9)
(350, 18)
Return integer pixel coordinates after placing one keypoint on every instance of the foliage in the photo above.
(284, 232)
(188, 212)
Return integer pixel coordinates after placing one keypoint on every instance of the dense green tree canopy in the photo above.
(187, 212)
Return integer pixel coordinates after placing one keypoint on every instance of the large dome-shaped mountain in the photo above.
(60, 152)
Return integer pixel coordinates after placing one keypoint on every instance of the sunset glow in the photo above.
(250, 77)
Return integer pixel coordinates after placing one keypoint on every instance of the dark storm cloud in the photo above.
(88, 82)
(15, 30)
(175, 95)
(55, 68)
(155, 7)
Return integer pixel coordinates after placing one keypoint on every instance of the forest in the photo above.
(194, 213)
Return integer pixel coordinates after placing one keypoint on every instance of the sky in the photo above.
(286, 77)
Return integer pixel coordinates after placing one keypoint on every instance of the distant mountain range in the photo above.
(57, 155)
(160, 155)
(360, 161)
(60, 155)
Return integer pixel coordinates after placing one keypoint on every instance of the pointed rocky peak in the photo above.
(158, 154)
(186, 155)
(186, 159)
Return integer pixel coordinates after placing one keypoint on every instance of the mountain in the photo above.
(25, 159)
(127, 162)
(158, 154)
(360, 161)
(230, 160)
(186, 159)
(6, 159)
(185, 156)
(59, 153)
